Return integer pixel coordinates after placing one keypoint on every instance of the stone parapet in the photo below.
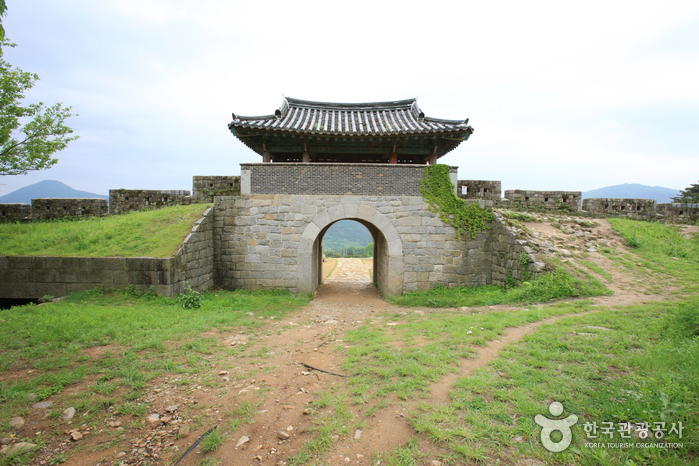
(678, 212)
(546, 200)
(126, 200)
(479, 189)
(50, 208)
(15, 212)
(639, 209)
(204, 188)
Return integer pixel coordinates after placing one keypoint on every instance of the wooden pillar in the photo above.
(266, 157)
(433, 159)
(393, 156)
(306, 157)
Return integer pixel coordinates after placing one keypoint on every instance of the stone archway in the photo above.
(388, 248)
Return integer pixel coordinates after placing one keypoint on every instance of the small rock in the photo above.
(121, 454)
(115, 424)
(519, 439)
(335, 438)
(222, 372)
(357, 434)
(172, 408)
(21, 447)
(281, 435)
(225, 379)
(290, 428)
(184, 430)
(243, 440)
(331, 322)
(307, 411)
(76, 435)
(5, 440)
(392, 323)
(16, 422)
(68, 414)
(436, 463)
(153, 420)
(32, 396)
(42, 405)
(166, 419)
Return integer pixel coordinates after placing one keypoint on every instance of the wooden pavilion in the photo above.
(373, 132)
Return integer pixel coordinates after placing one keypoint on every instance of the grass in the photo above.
(154, 233)
(143, 336)
(549, 286)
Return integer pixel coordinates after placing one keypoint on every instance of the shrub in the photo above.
(189, 298)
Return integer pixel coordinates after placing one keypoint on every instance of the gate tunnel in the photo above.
(388, 249)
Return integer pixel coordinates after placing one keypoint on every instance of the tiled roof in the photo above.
(363, 119)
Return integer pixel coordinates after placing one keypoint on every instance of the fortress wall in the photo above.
(639, 209)
(507, 252)
(33, 277)
(196, 256)
(479, 189)
(15, 212)
(678, 212)
(49, 208)
(554, 200)
(125, 200)
(257, 240)
(204, 188)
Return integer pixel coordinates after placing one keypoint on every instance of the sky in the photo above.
(562, 95)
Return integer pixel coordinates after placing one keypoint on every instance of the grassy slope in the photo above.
(154, 233)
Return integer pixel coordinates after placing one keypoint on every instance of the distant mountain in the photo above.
(633, 191)
(346, 233)
(46, 188)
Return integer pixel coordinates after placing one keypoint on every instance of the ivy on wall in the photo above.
(438, 191)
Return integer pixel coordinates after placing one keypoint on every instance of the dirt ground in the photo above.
(298, 361)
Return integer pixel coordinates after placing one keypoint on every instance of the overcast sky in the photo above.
(562, 95)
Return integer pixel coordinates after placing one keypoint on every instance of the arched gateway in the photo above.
(325, 162)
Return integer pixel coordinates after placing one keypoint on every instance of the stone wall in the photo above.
(548, 200)
(678, 212)
(125, 200)
(479, 189)
(196, 256)
(507, 255)
(204, 188)
(333, 179)
(33, 277)
(639, 209)
(273, 241)
(49, 208)
(15, 212)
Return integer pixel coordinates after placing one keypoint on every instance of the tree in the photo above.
(31, 134)
(689, 195)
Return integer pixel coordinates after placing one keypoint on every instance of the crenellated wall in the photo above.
(126, 200)
(639, 209)
(50, 208)
(15, 212)
(479, 189)
(678, 212)
(553, 200)
(205, 188)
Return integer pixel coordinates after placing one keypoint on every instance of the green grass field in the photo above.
(605, 363)
(153, 233)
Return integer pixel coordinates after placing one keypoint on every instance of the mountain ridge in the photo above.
(46, 189)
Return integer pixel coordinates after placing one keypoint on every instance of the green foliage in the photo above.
(47, 298)
(438, 190)
(689, 195)
(524, 259)
(545, 287)
(189, 298)
(153, 233)
(29, 134)
(211, 442)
